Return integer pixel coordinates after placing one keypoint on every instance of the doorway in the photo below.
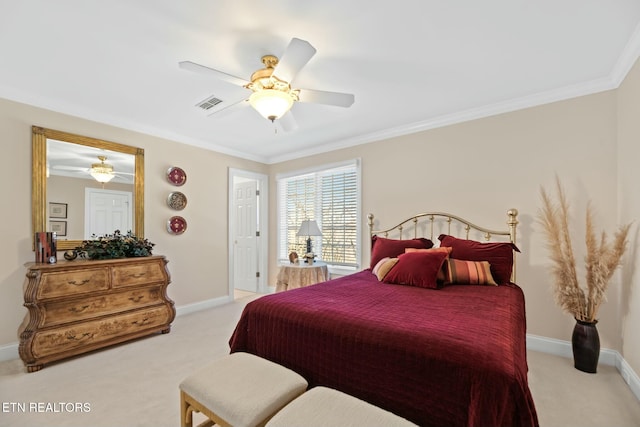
(248, 240)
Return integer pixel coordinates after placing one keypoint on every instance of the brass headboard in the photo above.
(449, 219)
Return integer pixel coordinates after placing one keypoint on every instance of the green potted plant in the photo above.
(116, 245)
(602, 259)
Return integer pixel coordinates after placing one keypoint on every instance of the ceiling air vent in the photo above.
(209, 103)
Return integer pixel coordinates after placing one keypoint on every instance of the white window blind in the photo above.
(331, 197)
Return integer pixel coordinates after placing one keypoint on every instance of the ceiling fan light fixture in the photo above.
(271, 103)
(102, 172)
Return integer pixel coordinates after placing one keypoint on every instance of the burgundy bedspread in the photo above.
(449, 357)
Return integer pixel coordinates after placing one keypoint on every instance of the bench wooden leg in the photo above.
(186, 412)
(188, 405)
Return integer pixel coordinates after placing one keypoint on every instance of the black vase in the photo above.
(585, 342)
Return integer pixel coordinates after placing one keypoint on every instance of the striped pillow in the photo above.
(383, 267)
(469, 272)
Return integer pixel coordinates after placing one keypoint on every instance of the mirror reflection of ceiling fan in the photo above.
(101, 171)
(272, 95)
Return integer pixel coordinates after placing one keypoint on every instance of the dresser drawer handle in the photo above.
(86, 335)
(136, 298)
(78, 310)
(140, 322)
(137, 275)
(84, 282)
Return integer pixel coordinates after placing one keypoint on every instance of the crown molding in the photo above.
(623, 65)
(83, 113)
(627, 58)
(555, 95)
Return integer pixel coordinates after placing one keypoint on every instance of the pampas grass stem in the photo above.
(601, 260)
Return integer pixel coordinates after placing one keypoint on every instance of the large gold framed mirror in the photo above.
(67, 185)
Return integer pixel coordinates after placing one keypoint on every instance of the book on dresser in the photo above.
(83, 305)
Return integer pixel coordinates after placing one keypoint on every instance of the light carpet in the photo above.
(136, 384)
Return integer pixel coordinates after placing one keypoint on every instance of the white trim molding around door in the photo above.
(236, 175)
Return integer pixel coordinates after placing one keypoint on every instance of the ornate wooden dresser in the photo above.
(79, 306)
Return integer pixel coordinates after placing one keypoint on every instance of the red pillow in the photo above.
(382, 248)
(417, 269)
(498, 254)
(442, 274)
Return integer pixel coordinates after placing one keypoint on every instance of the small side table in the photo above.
(293, 276)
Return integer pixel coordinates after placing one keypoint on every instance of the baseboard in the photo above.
(630, 377)
(10, 351)
(203, 305)
(607, 357)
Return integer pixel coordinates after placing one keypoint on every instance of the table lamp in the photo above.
(309, 227)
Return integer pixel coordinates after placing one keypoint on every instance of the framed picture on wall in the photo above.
(59, 227)
(57, 210)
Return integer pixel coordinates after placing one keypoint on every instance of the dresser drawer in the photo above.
(61, 312)
(138, 274)
(96, 333)
(64, 283)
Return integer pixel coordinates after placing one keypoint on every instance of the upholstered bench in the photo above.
(325, 407)
(240, 390)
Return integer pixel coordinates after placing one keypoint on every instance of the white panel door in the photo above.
(246, 242)
(107, 211)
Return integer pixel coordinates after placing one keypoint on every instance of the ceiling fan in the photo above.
(272, 95)
(101, 172)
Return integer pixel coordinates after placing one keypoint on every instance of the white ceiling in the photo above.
(412, 64)
(75, 161)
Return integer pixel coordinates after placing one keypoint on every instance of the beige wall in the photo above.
(197, 259)
(629, 204)
(480, 169)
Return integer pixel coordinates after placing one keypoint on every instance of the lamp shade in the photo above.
(309, 227)
(102, 172)
(270, 103)
(102, 176)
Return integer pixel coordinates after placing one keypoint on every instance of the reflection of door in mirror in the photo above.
(106, 211)
(69, 179)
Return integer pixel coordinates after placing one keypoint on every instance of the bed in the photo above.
(436, 346)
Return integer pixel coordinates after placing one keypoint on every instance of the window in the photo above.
(331, 196)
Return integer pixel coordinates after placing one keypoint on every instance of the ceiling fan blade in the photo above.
(296, 56)
(201, 69)
(69, 168)
(327, 98)
(288, 122)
